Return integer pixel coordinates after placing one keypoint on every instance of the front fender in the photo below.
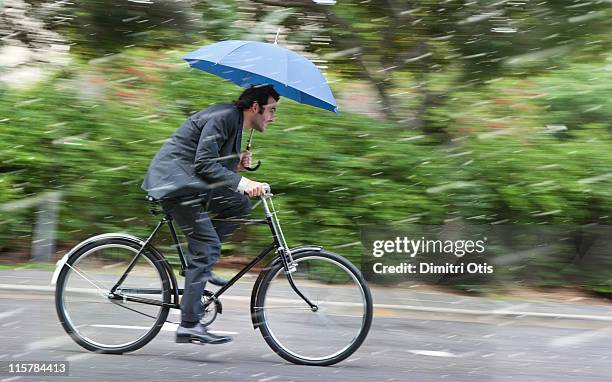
(61, 262)
(255, 316)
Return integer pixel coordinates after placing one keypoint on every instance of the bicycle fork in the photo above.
(283, 250)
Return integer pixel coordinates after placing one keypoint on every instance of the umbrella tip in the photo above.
(276, 38)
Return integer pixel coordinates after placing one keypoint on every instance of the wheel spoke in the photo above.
(100, 290)
(133, 310)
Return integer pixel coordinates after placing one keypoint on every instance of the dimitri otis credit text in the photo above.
(412, 248)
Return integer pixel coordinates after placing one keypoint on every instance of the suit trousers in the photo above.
(204, 238)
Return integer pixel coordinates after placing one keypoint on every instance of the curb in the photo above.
(497, 312)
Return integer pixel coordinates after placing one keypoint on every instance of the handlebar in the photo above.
(267, 189)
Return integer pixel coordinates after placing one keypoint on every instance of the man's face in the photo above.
(261, 120)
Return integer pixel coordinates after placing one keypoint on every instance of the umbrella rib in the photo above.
(287, 68)
(243, 43)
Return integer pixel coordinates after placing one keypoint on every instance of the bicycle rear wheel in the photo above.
(322, 336)
(103, 324)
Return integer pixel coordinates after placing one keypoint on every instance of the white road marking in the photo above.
(580, 338)
(11, 379)
(49, 342)
(10, 313)
(433, 353)
(78, 357)
(268, 379)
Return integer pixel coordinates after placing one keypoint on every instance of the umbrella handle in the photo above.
(254, 168)
(248, 148)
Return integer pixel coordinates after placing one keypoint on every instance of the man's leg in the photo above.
(226, 204)
(204, 249)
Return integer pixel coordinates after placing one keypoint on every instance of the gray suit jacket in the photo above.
(202, 154)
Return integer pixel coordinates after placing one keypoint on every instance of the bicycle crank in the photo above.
(210, 308)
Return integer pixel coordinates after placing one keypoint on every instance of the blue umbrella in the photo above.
(247, 63)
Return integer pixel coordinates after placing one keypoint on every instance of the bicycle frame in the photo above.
(279, 244)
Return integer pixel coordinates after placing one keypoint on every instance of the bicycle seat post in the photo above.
(156, 209)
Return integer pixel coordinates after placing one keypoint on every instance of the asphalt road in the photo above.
(399, 348)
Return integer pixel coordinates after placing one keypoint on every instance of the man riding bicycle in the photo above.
(203, 158)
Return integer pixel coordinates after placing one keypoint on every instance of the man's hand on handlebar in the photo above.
(254, 188)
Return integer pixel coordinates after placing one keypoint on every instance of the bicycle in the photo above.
(114, 292)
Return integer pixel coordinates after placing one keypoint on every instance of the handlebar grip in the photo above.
(266, 188)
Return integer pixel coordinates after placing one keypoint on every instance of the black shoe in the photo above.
(217, 280)
(199, 334)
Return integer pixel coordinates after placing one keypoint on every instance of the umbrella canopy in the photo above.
(248, 63)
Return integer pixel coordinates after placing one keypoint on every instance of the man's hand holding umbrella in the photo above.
(245, 160)
(252, 188)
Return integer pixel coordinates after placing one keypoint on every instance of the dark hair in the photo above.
(256, 93)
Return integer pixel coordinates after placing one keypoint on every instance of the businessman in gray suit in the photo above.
(196, 172)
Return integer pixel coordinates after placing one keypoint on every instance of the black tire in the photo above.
(152, 257)
(264, 325)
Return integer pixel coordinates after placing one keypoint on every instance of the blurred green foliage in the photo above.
(534, 152)
(501, 115)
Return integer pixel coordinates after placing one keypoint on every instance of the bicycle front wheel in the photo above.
(90, 314)
(330, 331)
